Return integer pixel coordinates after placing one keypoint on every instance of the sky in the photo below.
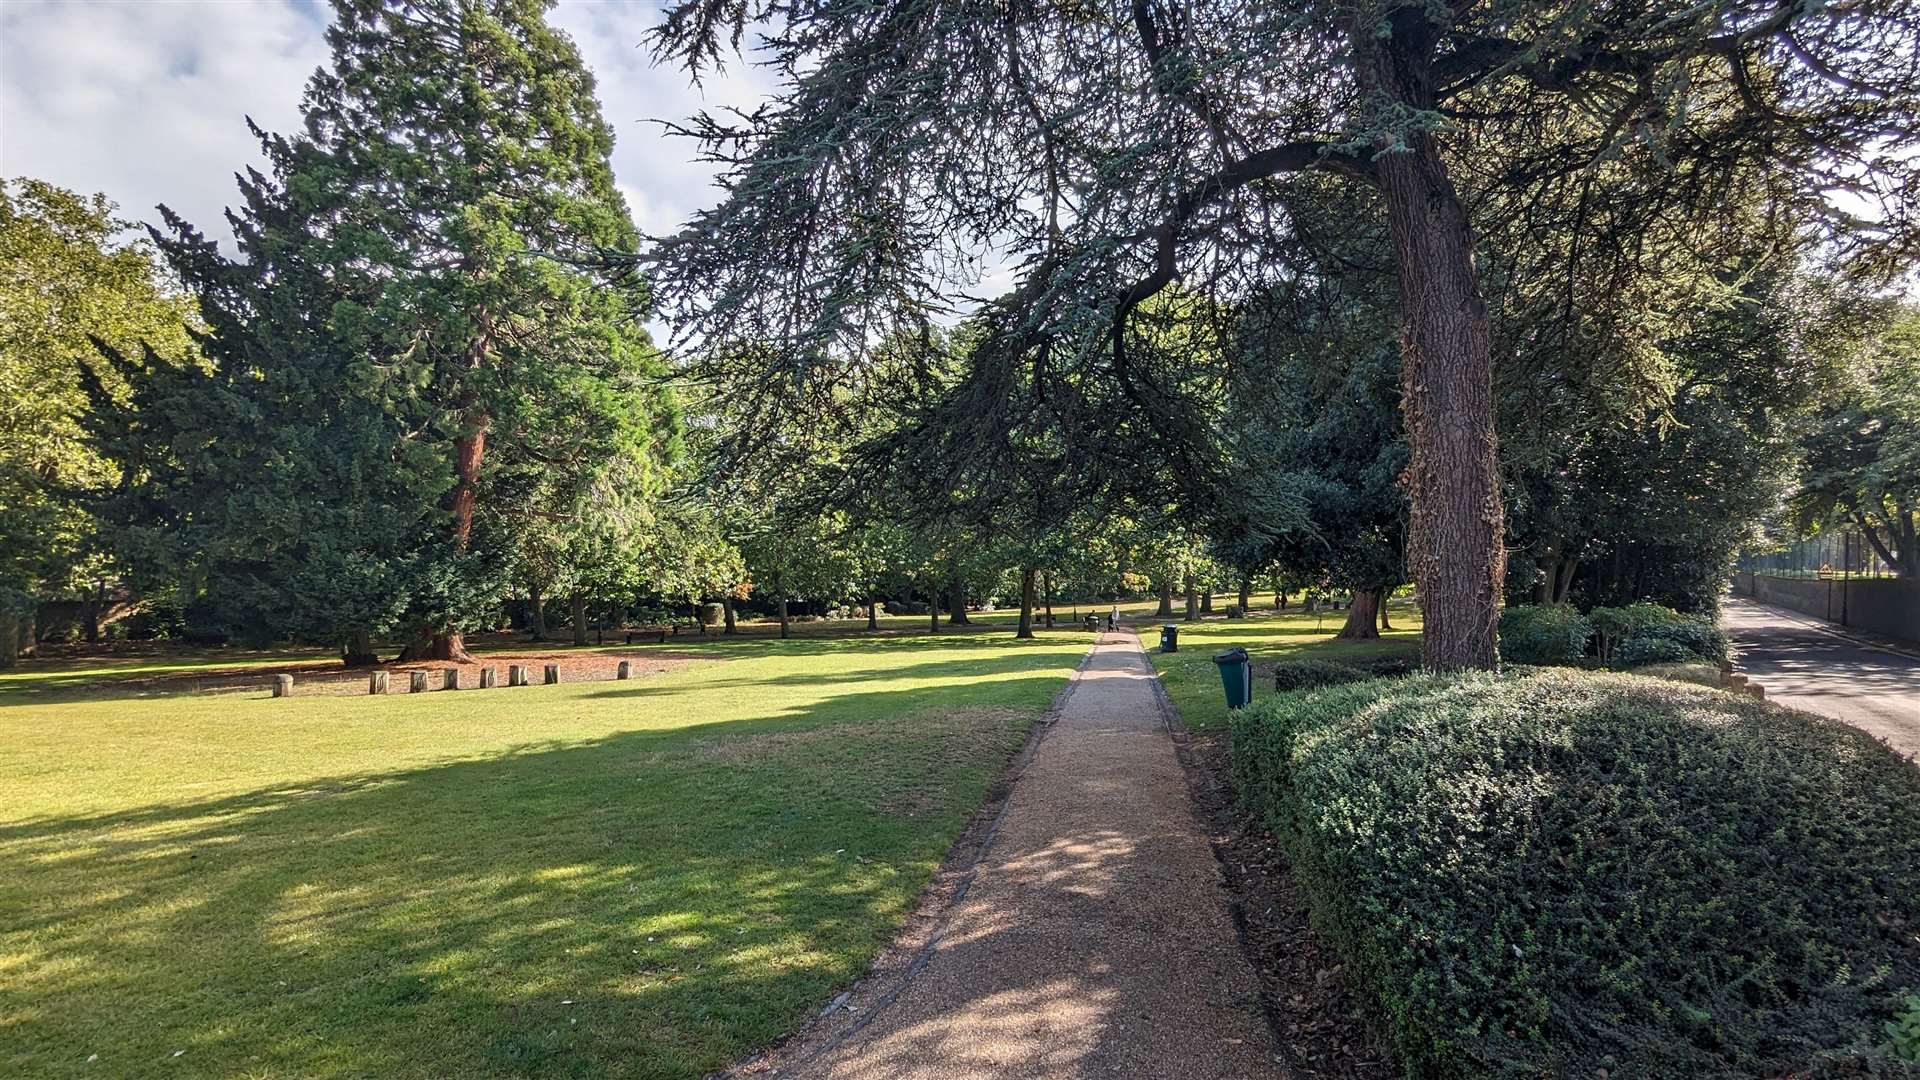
(147, 100)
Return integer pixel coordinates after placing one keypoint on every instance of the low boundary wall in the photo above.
(1889, 606)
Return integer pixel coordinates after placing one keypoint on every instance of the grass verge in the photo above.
(642, 879)
(1193, 682)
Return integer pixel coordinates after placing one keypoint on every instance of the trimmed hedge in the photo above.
(1639, 651)
(1562, 873)
(1307, 674)
(1543, 634)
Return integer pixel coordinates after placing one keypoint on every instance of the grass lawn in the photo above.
(1193, 682)
(643, 878)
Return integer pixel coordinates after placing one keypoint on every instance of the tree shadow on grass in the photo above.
(648, 904)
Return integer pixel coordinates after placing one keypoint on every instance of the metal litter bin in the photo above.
(1170, 637)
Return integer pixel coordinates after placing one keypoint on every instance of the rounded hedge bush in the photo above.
(1306, 674)
(1559, 873)
(1543, 634)
(1636, 651)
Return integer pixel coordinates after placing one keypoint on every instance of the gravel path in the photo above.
(1095, 938)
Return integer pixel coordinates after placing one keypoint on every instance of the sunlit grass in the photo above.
(642, 878)
(1193, 682)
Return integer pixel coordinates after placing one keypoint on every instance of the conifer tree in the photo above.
(410, 309)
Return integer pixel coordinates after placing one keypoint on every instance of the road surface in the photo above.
(1805, 666)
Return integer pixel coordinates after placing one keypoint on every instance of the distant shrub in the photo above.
(1543, 634)
(1636, 651)
(1904, 1030)
(711, 614)
(1695, 633)
(1612, 625)
(1307, 674)
(1576, 874)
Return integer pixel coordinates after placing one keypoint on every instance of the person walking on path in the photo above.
(1094, 938)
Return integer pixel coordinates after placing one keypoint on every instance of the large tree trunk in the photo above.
(90, 613)
(577, 612)
(1456, 525)
(1206, 599)
(933, 612)
(1026, 604)
(873, 609)
(1048, 599)
(428, 645)
(726, 607)
(1361, 614)
(536, 612)
(1165, 610)
(1193, 601)
(1246, 594)
(957, 604)
(357, 650)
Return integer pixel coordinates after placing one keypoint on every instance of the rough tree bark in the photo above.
(357, 650)
(873, 609)
(1361, 615)
(1246, 594)
(577, 613)
(957, 604)
(1193, 602)
(1455, 533)
(726, 608)
(1165, 610)
(1026, 604)
(933, 612)
(1206, 599)
(537, 614)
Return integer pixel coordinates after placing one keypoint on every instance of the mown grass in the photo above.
(640, 879)
(1193, 682)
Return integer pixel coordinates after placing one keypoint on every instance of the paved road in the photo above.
(1805, 667)
(1096, 940)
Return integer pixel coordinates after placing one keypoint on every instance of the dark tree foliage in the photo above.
(1110, 150)
(407, 338)
(1641, 504)
(1320, 430)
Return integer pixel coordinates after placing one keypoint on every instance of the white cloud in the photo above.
(147, 101)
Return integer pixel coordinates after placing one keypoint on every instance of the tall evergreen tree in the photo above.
(410, 317)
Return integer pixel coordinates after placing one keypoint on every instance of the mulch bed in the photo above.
(1316, 1027)
(333, 678)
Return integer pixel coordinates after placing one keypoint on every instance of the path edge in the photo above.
(894, 967)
